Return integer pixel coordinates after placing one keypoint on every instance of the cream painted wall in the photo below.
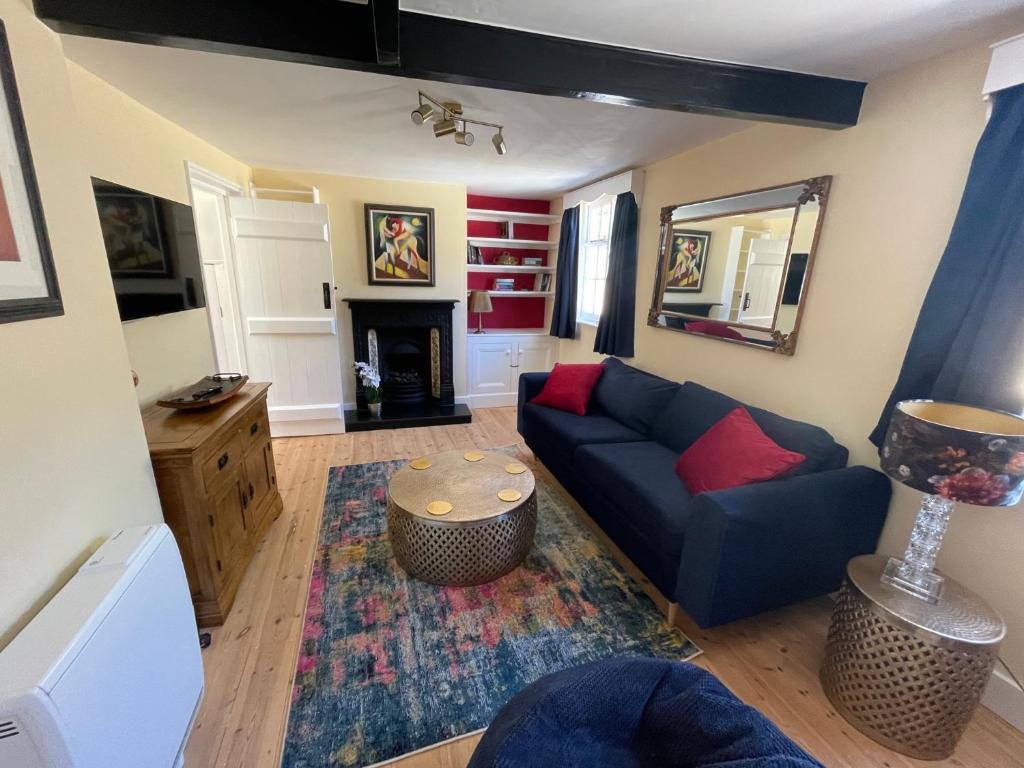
(345, 196)
(74, 458)
(129, 144)
(899, 175)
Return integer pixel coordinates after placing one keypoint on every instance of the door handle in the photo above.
(746, 301)
(327, 295)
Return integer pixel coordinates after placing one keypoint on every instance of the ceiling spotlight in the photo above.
(444, 128)
(422, 113)
(465, 138)
(499, 143)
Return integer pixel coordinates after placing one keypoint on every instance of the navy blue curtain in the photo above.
(618, 314)
(968, 345)
(563, 314)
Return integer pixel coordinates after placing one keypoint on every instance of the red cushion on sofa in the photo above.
(569, 386)
(733, 452)
(714, 329)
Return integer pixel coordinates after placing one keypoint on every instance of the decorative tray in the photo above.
(208, 391)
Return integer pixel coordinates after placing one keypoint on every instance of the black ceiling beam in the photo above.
(356, 36)
(385, 31)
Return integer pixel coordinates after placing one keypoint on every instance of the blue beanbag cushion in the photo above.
(633, 713)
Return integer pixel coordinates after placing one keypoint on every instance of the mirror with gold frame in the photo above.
(737, 268)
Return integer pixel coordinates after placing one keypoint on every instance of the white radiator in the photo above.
(109, 674)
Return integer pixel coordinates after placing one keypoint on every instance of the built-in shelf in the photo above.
(480, 214)
(506, 268)
(504, 242)
(520, 294)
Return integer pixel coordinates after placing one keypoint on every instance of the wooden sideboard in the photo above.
(218, 488)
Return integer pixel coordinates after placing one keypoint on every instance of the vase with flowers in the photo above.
(370, 379)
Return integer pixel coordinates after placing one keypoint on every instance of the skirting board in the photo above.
(1004, 698)
(307, 428)
(493, 401)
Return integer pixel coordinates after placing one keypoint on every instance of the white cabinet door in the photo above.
(531, 356)
(286, 291)
(496, 362)
(490, 367)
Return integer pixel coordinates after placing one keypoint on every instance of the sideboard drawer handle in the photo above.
(254, 428)
(222, 461)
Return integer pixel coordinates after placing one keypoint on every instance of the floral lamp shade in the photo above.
(951, 453)
(962, 453)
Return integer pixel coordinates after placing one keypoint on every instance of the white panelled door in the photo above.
(762, 280)
(286, 292)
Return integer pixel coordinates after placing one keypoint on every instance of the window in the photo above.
(595, 233)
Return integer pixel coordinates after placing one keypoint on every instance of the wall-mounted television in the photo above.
(152, 251)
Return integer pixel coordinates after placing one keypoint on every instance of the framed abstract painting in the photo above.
(28, 282)
(688, 256)
(399, 245)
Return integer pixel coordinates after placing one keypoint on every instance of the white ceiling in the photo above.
(857, 39)
(299, 117)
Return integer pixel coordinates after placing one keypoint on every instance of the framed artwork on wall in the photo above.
(687, 260)
(28, 282)
(399, 245)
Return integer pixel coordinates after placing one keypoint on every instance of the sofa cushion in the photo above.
(568, 387)
(639, 481)
(695, 409)
(564, 432)
(634, 397)
(734, 452)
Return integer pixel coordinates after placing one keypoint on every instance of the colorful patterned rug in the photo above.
(389, 665)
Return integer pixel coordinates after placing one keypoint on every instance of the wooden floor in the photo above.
(771, 661)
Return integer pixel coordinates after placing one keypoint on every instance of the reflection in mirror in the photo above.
(736, 268)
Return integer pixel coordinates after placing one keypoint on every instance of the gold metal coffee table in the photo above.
(462, 517)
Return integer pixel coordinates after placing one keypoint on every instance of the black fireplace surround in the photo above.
(417, 391)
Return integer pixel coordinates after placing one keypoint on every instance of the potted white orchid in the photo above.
(370, 379)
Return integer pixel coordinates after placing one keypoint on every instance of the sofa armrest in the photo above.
(761, 546)
(530, 385)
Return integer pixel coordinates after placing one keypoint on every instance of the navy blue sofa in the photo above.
(723, 555)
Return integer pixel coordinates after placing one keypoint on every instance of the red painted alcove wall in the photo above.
(508, 312)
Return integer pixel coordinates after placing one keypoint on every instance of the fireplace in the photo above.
(410, 344)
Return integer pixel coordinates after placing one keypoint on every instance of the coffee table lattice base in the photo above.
(911, 695)
(465, 554)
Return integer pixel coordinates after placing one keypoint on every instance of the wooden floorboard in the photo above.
(770, 661)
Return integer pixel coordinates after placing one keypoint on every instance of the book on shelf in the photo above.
(504, 284)
(542, 282)
(473, 255)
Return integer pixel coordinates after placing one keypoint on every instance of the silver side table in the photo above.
(905, 672)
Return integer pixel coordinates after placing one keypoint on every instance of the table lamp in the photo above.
(952, 453)
(480, 302)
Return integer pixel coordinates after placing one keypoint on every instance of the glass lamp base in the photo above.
(929, 588)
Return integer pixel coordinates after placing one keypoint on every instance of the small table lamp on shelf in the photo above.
(480, 302)
(910, 651)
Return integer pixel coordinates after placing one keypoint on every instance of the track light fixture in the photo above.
(448, 120)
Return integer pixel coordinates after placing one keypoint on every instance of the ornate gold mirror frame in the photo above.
(789, 277)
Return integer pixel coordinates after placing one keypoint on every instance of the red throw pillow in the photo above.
(714, 329)
(569, 386)
(733, 452)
